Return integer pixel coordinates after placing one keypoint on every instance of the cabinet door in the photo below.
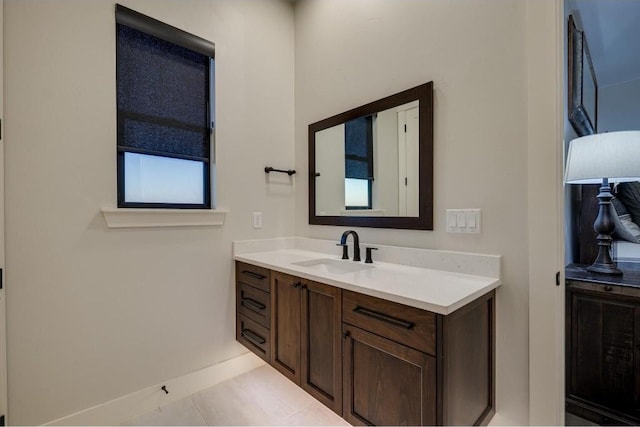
(322, 343)
(604, 352)
(285, 310)
(386, 383)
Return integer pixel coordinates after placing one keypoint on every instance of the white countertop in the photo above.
(435, 290)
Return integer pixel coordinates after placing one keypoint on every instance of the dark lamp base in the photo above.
(603, 268)
(604, 226)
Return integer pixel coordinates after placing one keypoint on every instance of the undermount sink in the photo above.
(334, 266)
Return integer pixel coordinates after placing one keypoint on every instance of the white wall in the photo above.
(351, 53)
(93, 313)
(619, 107)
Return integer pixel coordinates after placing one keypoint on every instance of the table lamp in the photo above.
(604, 158)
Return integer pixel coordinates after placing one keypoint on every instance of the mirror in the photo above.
(583, 87)
(372, 166)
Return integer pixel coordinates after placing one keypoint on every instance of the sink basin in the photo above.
(334, 266)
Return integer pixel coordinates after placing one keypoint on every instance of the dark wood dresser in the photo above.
(603, 346)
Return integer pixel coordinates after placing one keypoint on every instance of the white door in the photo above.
(408, 162)
(330, 170)
(3, 334)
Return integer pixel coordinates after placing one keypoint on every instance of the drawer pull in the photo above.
(608, 288)
(252, 304)
(254, 338)
(384, 317)
(254, 275)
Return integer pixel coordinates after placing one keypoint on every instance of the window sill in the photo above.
(136, 218)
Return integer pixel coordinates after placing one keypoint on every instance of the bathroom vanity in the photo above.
(381, 343)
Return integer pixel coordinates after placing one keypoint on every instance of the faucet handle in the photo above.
(368, 259)
(345, 250)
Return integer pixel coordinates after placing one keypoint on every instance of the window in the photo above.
(165, 84)
(358, 150)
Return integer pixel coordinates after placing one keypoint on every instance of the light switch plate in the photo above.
(452, 220)
(257, 220)
(463, 221)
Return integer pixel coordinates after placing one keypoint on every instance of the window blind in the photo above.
(358, 148)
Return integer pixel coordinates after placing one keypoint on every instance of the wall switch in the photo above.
(471, 219)
(257, 220)
(463, 220)
(452, 220)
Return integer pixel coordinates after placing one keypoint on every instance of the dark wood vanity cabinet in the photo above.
(406, 366)
(307, 337)
(378, 362)
(603, 348)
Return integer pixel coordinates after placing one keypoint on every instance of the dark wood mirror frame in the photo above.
(579, 58)
(424, 220)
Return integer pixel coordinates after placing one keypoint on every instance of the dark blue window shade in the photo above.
(356, 169)
(358, 148)
(163, 96)
(153, 138)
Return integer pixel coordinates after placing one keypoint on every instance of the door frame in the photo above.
(544, 43)
(3, 305)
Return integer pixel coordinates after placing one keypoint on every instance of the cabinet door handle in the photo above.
(254, 338)
(253, 304)
(346, 335)
(384, 317)
(254, 275)
(296, 285)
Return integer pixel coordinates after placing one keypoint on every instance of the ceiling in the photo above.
(612, 29)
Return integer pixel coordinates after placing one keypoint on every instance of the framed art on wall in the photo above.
(582, 84)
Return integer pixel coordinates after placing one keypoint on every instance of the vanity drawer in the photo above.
(254, 336)
(253, 275)
(406, 325)
(254, 304)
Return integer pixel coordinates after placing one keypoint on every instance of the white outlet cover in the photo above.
(257, 220)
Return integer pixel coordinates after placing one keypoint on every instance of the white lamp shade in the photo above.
(612, 155)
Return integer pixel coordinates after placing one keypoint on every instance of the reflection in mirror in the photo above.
(369, 165)
(373, 166)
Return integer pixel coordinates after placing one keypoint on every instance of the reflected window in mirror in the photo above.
(358, 163)
(373, 166)
(357, 193)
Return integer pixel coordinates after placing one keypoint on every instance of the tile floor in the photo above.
(261, 397)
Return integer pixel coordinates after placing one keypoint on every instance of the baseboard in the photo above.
(146, 400)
